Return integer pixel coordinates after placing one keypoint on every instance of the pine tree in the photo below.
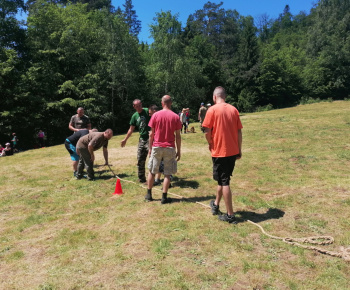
(130, 18)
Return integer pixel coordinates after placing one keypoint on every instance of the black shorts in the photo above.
(223, 169)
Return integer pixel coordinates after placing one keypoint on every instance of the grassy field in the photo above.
(293, 180)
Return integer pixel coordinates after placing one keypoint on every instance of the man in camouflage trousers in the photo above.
(140, 121)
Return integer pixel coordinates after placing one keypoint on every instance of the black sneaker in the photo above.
(148, 197)
(214, 208)
(78, 177)
(156, 182)
(165, 200)
(228, 218)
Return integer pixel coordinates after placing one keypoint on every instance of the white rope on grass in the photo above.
(316, 240)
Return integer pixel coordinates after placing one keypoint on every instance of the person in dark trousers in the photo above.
(85, 149)
(70, 144)
(140, 121)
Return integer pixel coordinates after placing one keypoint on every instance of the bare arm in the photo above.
(70, 126)
(130, 131)
(105, 155)
(208, 137)
(91, 151)
(240, 143)
(151, 138)
(178, 144)
(88, 126)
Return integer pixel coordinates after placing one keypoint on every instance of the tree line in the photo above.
(86, 53)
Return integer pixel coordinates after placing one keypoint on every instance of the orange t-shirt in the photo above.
(224, 122)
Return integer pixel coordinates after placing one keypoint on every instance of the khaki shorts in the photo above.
(168, 155)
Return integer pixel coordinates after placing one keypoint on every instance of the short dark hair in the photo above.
(153, 107)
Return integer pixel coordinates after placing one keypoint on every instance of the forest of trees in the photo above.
(87, 53)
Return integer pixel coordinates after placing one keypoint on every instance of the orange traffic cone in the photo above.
(118, 187)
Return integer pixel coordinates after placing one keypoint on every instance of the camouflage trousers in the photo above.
(142, 152)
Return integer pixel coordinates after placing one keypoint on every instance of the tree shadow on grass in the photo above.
(272, 213)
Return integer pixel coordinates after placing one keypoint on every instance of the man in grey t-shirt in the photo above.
(79, 121)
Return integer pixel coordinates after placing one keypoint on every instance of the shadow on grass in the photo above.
(272, 213)
(107, 174)
(183, 183)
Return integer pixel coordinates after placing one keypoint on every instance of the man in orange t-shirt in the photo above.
(223, 133)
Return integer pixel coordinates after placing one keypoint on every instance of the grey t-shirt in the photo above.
(80, 122)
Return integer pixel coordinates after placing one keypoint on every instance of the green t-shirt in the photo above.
(140, 121)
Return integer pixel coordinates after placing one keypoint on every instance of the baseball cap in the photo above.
(208, 104)
(7, 144)
(202, 104)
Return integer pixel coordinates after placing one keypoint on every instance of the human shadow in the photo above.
(183, 183)
(107, 174)
(272, 213)
(199, 198)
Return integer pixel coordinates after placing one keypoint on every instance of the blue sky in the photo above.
(146, 10)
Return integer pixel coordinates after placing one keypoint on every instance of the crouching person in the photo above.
(85, 149)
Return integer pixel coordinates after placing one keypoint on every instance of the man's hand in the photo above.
(178, 156)
(239, 156)
(92, 157)
(210, 145)
(123, 142)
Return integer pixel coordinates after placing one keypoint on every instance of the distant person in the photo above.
(183, 120)
(140, 121)
(188, 114)
(14, 142)
(165, 133)
(41, 138)
(1, 148)
(224, 135)
(7, 151)
(201, 115)
(85, 149)
(79, 121)
(70, 144)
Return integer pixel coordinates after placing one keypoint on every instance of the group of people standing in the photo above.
(160, 139)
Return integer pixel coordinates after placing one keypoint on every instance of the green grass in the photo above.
(293, 179)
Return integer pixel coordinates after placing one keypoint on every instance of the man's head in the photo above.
(13, 134)
(202, 104)
(152, 109)
(80, 111)
(7, 144)
(137, 104)
(219, 94)
(108, 134)
(166, 101)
